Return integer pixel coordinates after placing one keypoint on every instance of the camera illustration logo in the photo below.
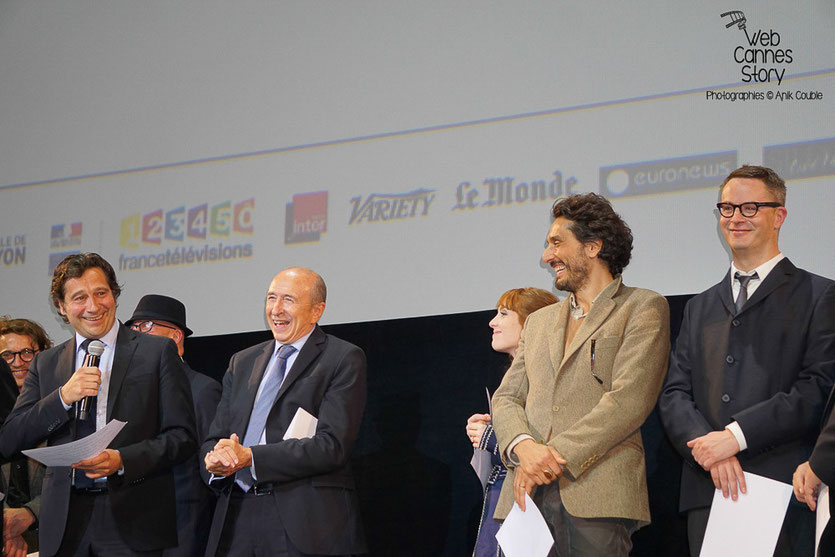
(762, 58)
(737, 18)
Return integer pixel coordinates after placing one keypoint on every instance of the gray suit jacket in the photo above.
(314, 488)
(550, 394)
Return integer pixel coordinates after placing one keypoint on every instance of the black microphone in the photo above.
(94, 351)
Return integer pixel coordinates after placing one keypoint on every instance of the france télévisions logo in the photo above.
(762, 58)
(182, 224)
(306, 217)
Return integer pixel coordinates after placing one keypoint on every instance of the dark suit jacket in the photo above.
(34, 473)
(822, 462)
(195, 501)
(770, 368)
(8, 390)
(314, 487)
(8, 395)
(149, 391)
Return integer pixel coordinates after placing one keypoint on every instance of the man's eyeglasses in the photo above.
(146, 326)
(26, 355)
(747, 209)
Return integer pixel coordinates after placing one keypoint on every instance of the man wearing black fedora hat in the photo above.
(165, 316)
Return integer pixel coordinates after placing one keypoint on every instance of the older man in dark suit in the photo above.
(288, 496)
(166, 317)
(753, 364)
(121, 501)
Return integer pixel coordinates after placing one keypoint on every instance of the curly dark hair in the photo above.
(772, 181)
(73, 266)
(593, 218)
(27, 328)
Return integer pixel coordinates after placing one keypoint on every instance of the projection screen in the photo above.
(407, 151)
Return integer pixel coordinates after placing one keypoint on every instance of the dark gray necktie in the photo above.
(83, 428)
(742, 297)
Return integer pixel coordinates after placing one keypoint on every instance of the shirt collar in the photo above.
(762, 271)
(576, 309)
(108, 339)
(298, 344)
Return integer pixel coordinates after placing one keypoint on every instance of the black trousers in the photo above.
(253, 528)
(91, 529)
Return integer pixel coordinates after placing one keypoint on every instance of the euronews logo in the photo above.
(666, 175)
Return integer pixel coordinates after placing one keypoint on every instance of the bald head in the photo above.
(318, 289)
(295, 302)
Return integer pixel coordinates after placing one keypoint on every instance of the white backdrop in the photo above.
(171, 136)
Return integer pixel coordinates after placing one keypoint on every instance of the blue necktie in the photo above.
(263, 404)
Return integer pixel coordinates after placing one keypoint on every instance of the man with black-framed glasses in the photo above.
(753, 364)
(165, 316)
(20, 341)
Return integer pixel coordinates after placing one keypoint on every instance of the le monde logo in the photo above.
(762, 58)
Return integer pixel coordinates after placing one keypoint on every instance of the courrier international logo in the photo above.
(762, 58)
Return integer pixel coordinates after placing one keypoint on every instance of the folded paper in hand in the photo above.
(302, 426)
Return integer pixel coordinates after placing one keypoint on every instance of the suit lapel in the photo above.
(726, 295)
(259, 366)
(123, 354)
(310, 351)
(66, 362)
(778, 275)
(599, 312)
(557, 347)
(827, 410)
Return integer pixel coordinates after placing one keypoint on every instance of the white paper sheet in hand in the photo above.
(302, 426)
(525, 533)
(821, 515)
(749, 526)
(70, 453)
